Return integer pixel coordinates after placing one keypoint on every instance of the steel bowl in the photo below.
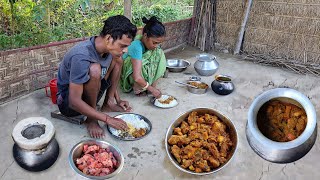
(77, 149)
(195, 78)
(281, 152)
(197, 90)
(177, 65)
(177, 122)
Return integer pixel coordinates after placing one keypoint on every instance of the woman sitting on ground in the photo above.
(145, 61)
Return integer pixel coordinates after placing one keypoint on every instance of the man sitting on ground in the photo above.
(92, 67)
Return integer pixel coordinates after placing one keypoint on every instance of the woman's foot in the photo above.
(154, 84)
(94, 129)
(138, 90)
(140, 94)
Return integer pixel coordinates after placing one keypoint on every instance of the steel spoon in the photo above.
(186, 84)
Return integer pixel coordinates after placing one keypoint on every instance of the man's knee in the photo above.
(95, 71)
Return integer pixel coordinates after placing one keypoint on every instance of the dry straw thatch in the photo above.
(285, 33)
(297, 67)
(229, 17)
(279, 32)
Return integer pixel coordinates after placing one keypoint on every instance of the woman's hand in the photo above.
(124, 105)
(156, 92)
(116, 123)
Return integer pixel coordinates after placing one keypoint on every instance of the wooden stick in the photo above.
(198, 26)
(243, 25)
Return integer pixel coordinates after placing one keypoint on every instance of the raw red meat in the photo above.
(96, 161)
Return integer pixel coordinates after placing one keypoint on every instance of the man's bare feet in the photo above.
(94, 129)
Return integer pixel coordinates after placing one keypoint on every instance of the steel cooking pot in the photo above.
(282, 152)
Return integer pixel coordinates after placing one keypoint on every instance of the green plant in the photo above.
(34, 22)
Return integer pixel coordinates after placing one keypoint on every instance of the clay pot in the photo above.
(222, 85)
(35, 147)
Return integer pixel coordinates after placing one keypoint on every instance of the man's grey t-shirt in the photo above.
(74, 68)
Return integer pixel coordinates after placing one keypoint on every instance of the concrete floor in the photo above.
(147, 158)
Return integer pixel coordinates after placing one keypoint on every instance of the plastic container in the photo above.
(53, 90)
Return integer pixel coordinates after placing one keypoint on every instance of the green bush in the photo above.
(35, 22)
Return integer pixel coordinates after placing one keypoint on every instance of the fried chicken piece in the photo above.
(175, 150)
(193, 126)
(204, 128)
(189, 151)
(191, 168)
(224, 149)
(220, 139)
(192, 117)
(213, 162)
(197, 155)
(174, 139)
(179, 140)
(184, 140)
(218, 127)
(193, 135)
(204, 136)
(222, 160)
(205, 154)
(139, 133)
(186, 163)
(213, 150)
(196, 143)
(198, 170)
(177, 131)
(200, 119)
(203, 165)
(184, 127)
(209, 119)
(212, 139)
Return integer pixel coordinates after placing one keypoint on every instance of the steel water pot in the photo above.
(206, 64)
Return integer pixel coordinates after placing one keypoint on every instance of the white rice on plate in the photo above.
(172, 103)
(132, 120)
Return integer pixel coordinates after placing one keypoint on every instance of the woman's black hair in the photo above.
(117, 26)
(153, 27)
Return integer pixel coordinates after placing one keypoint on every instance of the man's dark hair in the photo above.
(117, 26)
(153, 27)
